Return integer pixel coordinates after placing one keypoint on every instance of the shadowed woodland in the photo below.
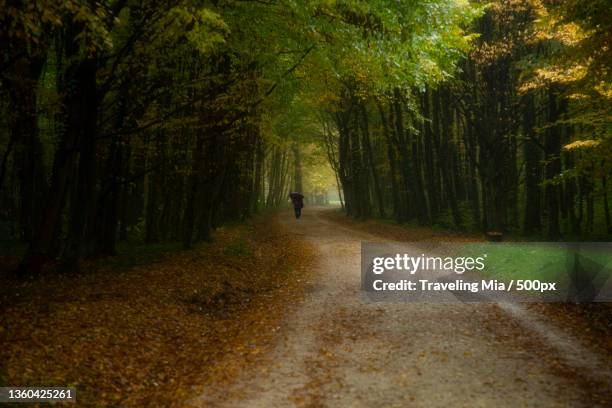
(160, 121)
(147, 149)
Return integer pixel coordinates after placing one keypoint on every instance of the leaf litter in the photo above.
(159, 333)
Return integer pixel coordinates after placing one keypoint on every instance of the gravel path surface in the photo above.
(342, 350)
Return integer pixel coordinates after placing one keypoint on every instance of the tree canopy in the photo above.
(163, 120)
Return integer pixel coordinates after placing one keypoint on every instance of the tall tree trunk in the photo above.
(402, 148)
(553, 166)
(420, 190)
(432, 186)
(84, 122)
(22, 82)
(392, 162)
(5, 158)
(189, 216)
(111, 185)
(344, 165)
(370, 156)
(79, 111)
(532, 217)
(361, 186)
(605, 203)
(259, 171)
(442, 114)
(297, 168)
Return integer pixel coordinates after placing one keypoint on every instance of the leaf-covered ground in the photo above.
(156, 333)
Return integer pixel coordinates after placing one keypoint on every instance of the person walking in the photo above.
(298, 203)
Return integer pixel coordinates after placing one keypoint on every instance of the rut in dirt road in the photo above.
(343, 350)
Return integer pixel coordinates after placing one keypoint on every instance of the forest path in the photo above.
(341, 350)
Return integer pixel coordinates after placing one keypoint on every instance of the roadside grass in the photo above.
(552, 262)
(238, 248)
(132, 254)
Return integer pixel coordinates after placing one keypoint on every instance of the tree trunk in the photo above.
(392, 162)
(432, 187)
(553, 166)
(532, 217)
(370, 156)
(22, 84)
(189, 216)
(441, 114)
(402, 148)
(605, 203)
(297, 168)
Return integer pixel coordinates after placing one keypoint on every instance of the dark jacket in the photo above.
(297, 199)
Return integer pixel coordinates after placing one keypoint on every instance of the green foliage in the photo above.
(238, 249)
(575, 37)
(187, 107)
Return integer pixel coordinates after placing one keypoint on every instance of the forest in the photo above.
(149, 149)
(160, 121)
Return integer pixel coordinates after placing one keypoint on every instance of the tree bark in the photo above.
(370, 156)
(532, 216)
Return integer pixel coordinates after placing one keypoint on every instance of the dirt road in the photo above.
(342, 350)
